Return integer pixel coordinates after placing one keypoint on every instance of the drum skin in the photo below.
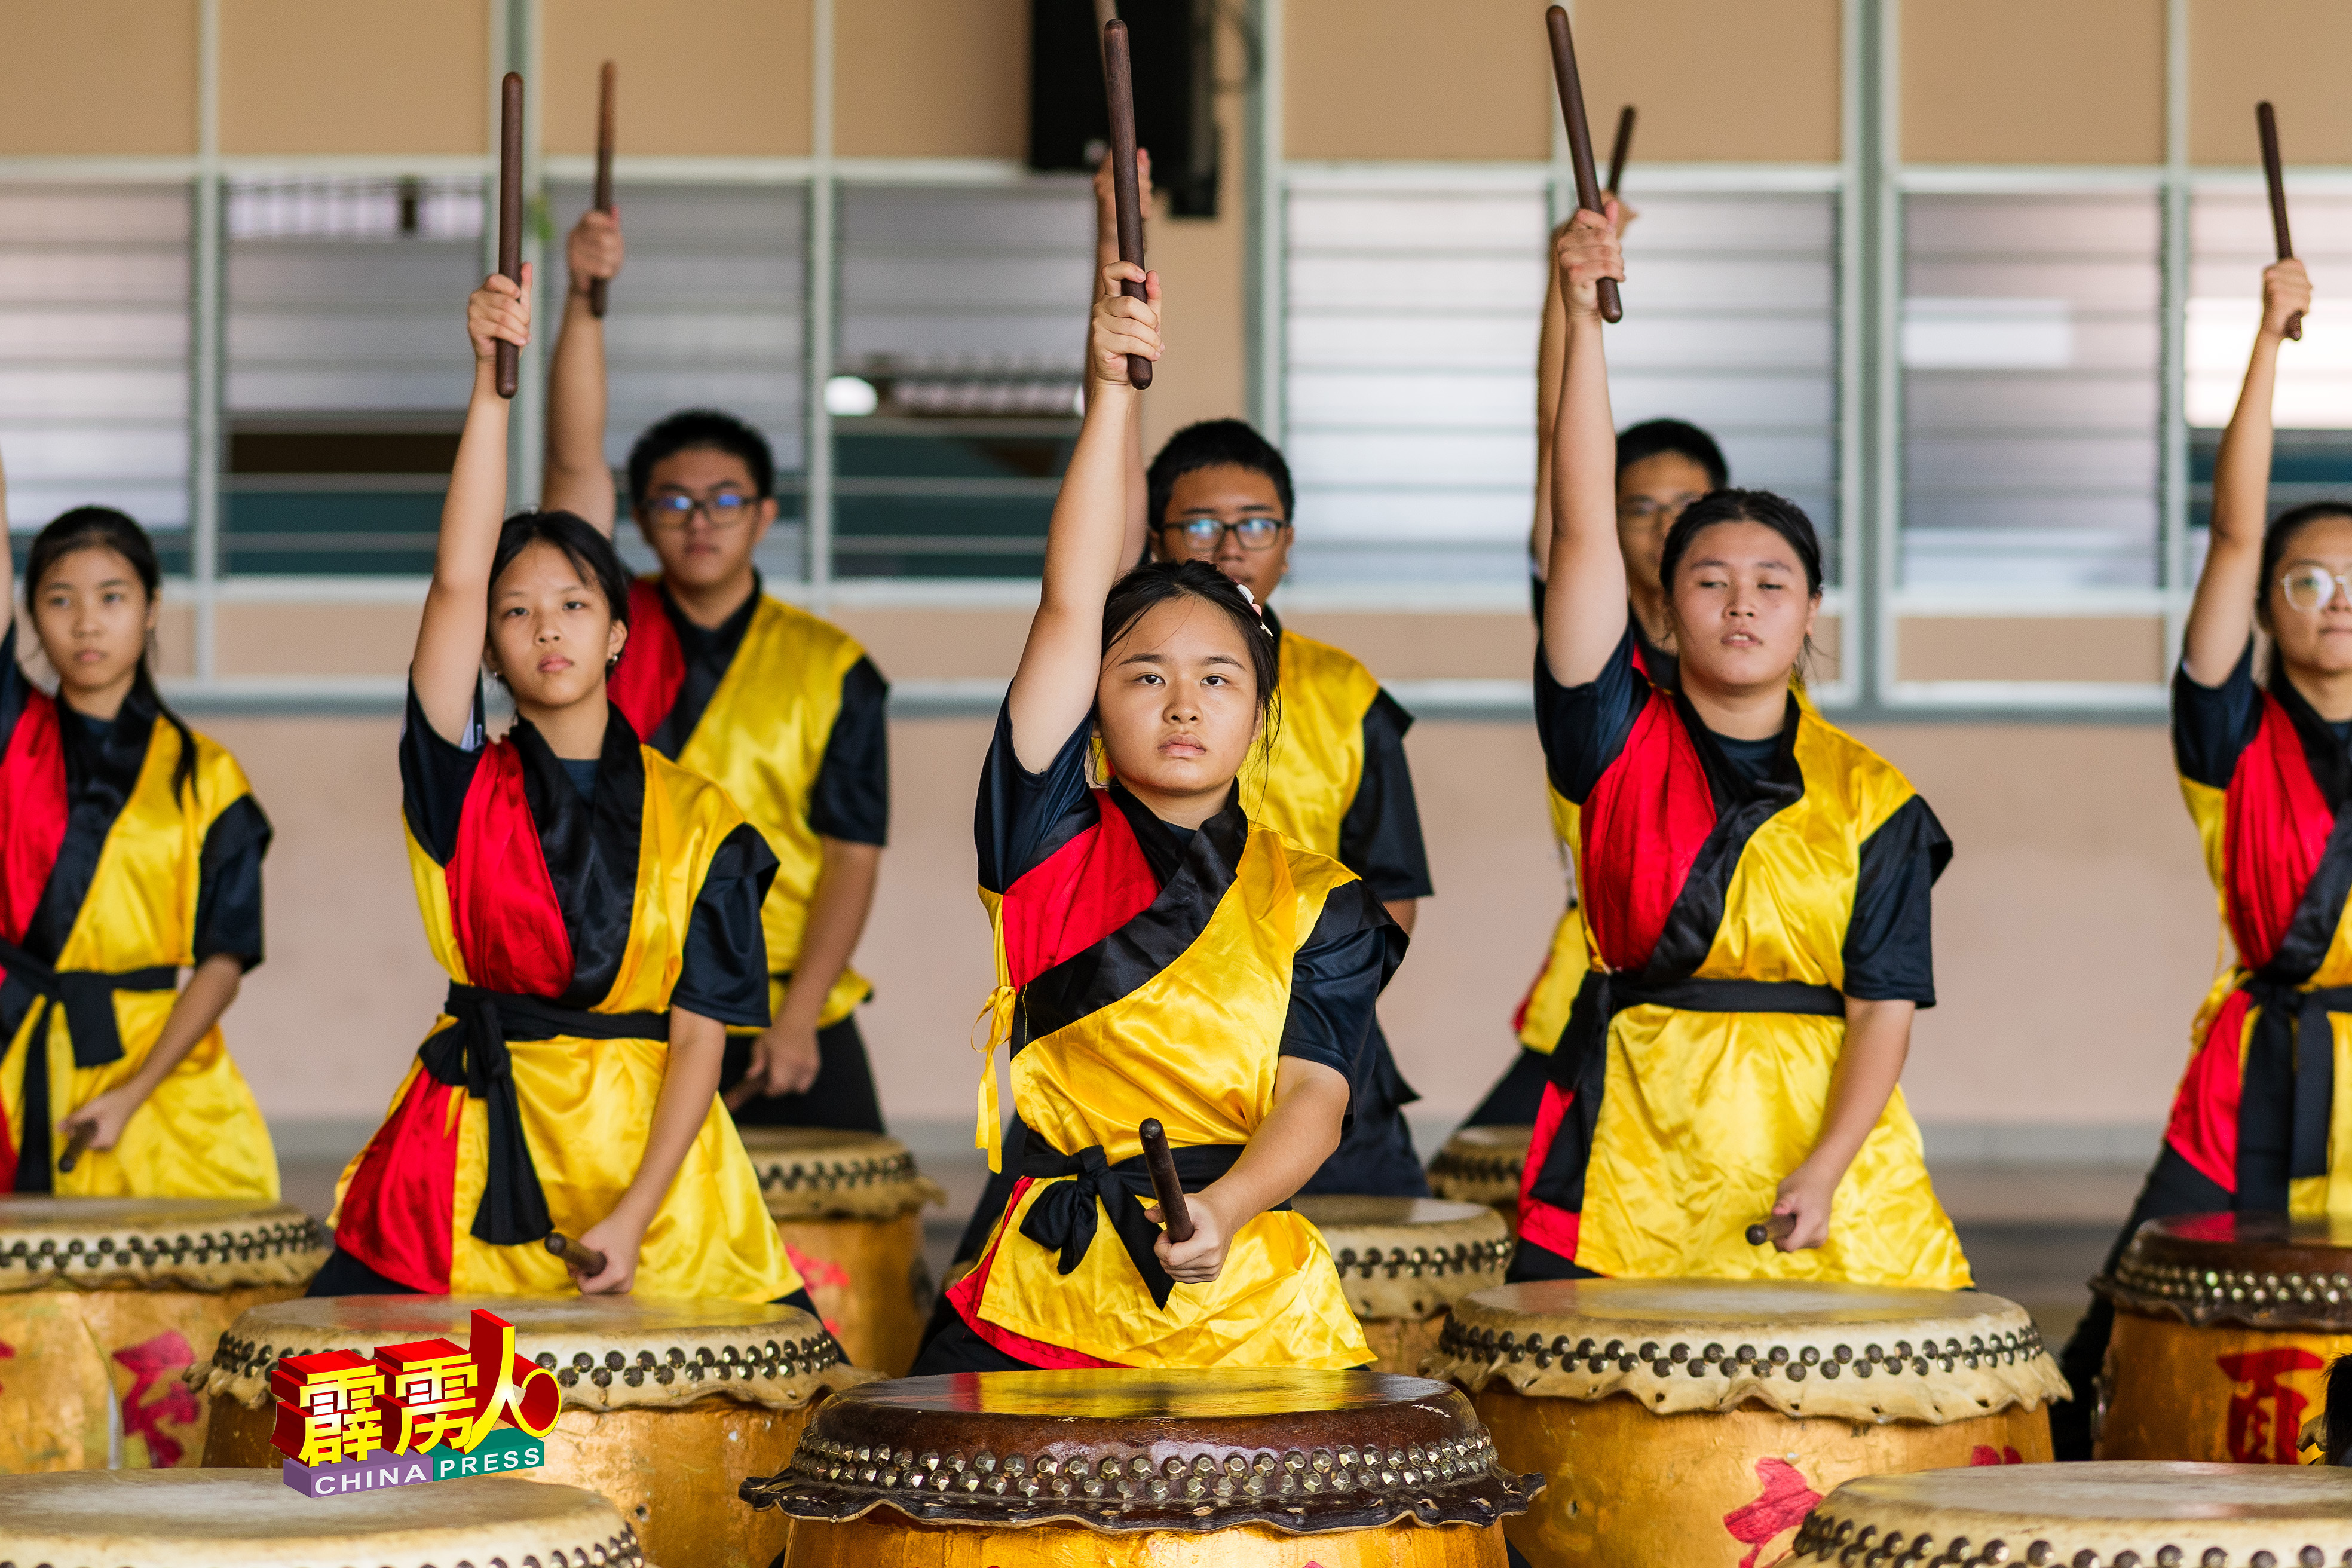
(2222, 1394)
(1403, 1262)
(1730, 1483)
(1483, 1165)
(885, 1537)
(869, 1283)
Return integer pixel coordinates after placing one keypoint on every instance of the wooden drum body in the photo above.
(1695, 1421)
(849, 1207)
(668, 1405)
(252, 1519)
(1403, 1261)
(2225, 1325)
(106, 1302)
(1169, 1469)
(1483, 1165)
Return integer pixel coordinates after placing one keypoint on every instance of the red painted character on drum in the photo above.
(1781, 1507)
(1986, 1454)
(2265, 1421)
(164, 1357)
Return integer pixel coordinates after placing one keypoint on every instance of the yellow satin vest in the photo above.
(1554, 991)
(1198, 1046)
(1301, 778)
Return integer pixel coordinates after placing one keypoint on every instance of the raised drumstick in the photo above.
(2266, 124)
(1621, 146)
(1579, 141)
(597, 286)
(1118, 87)
(509, 213)
(1165, 1185)
(1772, 1229)
(76, 1142)
(575, 1257)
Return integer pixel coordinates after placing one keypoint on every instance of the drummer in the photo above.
(114, 876)
(572, 1083)
(2263, 767)
(1758, 887)
(1157, 955)
(781, 709)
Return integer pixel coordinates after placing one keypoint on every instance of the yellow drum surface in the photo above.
(2222, 1394)
(1403, 1261)
(888, 1538)
(849, 1206)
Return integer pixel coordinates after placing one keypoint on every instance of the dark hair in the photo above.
(2335, 1413)
(694, 429)
(1778, 514)
(1212, 444)
(104, 527)
(1653, 437)
(1156, 582)
(2281, 532)
(581, 544)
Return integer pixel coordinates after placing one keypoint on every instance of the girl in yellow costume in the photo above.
(1157, 955)
(598, 910)
(1756, 886)
(129, 849)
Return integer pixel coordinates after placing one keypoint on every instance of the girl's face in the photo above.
(94, 617)
(1741, 607)
(2308, 615)
(1178, 701)
(552, 634)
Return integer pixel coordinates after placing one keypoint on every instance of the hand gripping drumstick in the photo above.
(76, 1143)
(1118, 87)
(1772, 1229)
(2267, 124)
(597, 286)
(1579, 141)
(589, 1264)
(509, 213)
(1622, 145)
(1173, 1215)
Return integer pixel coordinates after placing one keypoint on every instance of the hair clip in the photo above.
(1251, 600)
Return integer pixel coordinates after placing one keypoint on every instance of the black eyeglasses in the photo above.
(725, 510)
(1205, 535)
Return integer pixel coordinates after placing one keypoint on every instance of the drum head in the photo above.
(2254, 1270)
(1481, 1165)
(1300, 1451)
(252, 1519)
(2096, 1513)
(1409, 1258)
(811, 1172)
(201, 1244)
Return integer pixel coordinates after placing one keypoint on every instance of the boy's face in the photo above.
(1231, 518)
(703, 545)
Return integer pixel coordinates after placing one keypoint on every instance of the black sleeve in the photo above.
(1022, 817)
(2213, 725)
(1337, 976)
(1536, 595)
(229, 884)
(1380, 838)
(1890, 954)
(14, 688)
(723, 973)
(851, 800)
(1584, 727)
(434, 776)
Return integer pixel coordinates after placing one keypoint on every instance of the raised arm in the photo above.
(1584, 609)
(1139, 525)
(578, 479)
(1053, 689)
(2222, 617)
(447, 668)
(1551, 349)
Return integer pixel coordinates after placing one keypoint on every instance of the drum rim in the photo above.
(2284, 1281)
(211, 1242)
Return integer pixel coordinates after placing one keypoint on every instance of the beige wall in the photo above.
(695, 77)
(2024, 81)
(289, 82)
(97, 76)
(1756, 83)
(2288, 51)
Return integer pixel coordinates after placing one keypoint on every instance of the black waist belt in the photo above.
(2289, 1092)
(473, 1056)
(1063, 1219)
(88, 997)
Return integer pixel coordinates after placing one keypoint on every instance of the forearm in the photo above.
(457, 608)
(211, 988)
(836, 919)
(1054, 686)
(578, 479)
(1877, 1041)
(1402, 912)
(1289, 1147)
(1585, 611)
(1551, 352)
(698, 1046)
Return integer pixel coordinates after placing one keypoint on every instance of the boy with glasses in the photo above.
(779, 707)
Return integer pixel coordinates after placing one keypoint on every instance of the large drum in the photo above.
(250, 1518)
(2224, 1327)
(668, 1405)
(1403, 1261)
(105, 1302)
(1695, 1421)
(1172, 1469)
(849, 1206)
(1481, 1165)
(2089, 1516)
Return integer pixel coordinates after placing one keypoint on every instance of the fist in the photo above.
(499, 313)
(1586, 252)
(2286, 294)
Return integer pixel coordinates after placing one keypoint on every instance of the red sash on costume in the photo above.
(644, 685)
(32, 830)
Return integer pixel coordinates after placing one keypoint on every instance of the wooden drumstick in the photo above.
(597, 286)
(1173, 1215)
(509, 213)
(2266, 124)
(1772, 1229)
(1118, 87)
(76, 1143)
(575, 1257)
(1623, 144)
(1580, 142)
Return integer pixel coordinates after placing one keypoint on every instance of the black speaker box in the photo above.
(1172, 46)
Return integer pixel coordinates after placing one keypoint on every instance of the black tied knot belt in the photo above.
(1065, 1218)
(473, 1057)
(88, 997)
(2289, 1092)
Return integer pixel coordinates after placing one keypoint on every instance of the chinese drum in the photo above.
(252, 1519)
(849, 1206)
(1481, 1165)
(2087, 1516)
(669, 1405)
(1403, 1261)
(2224, 1327)
(105, 1302)
(1125, 1469)
(1695, 1421)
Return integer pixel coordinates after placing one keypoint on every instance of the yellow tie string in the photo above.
(997, 1014)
